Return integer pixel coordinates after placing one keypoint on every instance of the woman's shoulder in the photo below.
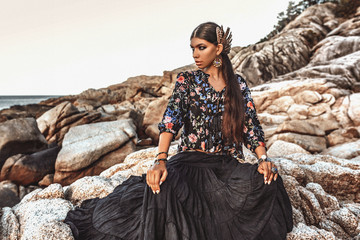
(242, 82)
(239, 78)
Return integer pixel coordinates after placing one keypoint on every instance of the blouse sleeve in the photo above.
(254, 134)
(173, 118)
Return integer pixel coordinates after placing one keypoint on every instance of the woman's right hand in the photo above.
(156, 175)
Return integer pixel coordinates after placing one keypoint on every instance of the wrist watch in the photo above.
(263, 158)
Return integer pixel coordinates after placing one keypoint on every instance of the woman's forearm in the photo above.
(260, 150)
(164, 143)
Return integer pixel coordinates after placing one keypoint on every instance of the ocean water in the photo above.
(7, 101)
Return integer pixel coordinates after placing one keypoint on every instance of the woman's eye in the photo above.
(202, 47)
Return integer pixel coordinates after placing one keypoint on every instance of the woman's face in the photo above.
(204, 52)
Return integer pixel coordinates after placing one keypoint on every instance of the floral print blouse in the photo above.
(197, 106)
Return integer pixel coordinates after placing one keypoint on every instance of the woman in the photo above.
(203, 192)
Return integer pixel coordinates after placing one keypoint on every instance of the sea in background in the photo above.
(10, 100)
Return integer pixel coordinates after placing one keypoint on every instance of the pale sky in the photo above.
(62, 47)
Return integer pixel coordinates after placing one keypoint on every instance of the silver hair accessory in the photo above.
(224, 38)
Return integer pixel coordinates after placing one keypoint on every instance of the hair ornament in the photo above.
(224, 38)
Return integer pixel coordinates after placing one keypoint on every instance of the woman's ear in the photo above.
(219, 49)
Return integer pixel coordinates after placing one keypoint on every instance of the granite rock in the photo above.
(20, 135)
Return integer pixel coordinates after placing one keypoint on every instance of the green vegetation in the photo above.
(345, 9)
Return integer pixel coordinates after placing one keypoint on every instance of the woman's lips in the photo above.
(197, 62)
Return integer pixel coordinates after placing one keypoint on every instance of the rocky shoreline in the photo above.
(306, 88)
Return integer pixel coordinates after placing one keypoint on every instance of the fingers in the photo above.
(271, 175)
(266, 172)
(265, 168)
(153, 179)
(163, 177)
(276, 176)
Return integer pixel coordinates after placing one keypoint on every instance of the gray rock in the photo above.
(300, 126)
(311, 207)
(90, 187)
(9, 225)
(307, 142)
(47, 122)
(53, 191)
(343, 135)
(35, 216)
(287, 51)
(347, 220)
(104, 162)
(8, 194)
(346, 150)
(155, 111)
(304, 232)
(53, 230)
(328, 203)
(281, 148)
(20, 135)
(85, 144)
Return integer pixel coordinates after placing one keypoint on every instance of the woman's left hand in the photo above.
(265, 168)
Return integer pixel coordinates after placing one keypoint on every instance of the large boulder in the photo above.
(48, 121)
(110, 159)
(90, 187)
(84, 145)
(282, 148)
(155, 111)
(29, 169)
(346, 150)
(20, 135)
(309, 143)
(38, 216)
(288, 51)
(56, 122)
(41, 214)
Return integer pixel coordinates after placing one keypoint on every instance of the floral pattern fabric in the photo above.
(198, 107)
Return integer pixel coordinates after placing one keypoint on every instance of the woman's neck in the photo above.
(214, 72)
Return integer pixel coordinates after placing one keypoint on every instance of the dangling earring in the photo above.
(217, 62)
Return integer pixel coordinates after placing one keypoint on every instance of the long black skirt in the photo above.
(204, 197)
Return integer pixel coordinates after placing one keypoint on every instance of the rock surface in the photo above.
(84, 148)
(85, 144)
(20, 136)
(8, 194)
(317, 197)
(306, 88)
(29, 169)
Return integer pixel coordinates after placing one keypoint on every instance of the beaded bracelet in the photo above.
(157, 161)
(161, 153)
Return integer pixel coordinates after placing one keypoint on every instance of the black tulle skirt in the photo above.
(204, 197)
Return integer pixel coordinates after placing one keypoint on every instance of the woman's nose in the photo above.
(195, 54)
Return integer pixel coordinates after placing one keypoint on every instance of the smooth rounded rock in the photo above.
(85, 144)
(281, 148)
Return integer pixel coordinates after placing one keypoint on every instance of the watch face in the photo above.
(263, 157)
